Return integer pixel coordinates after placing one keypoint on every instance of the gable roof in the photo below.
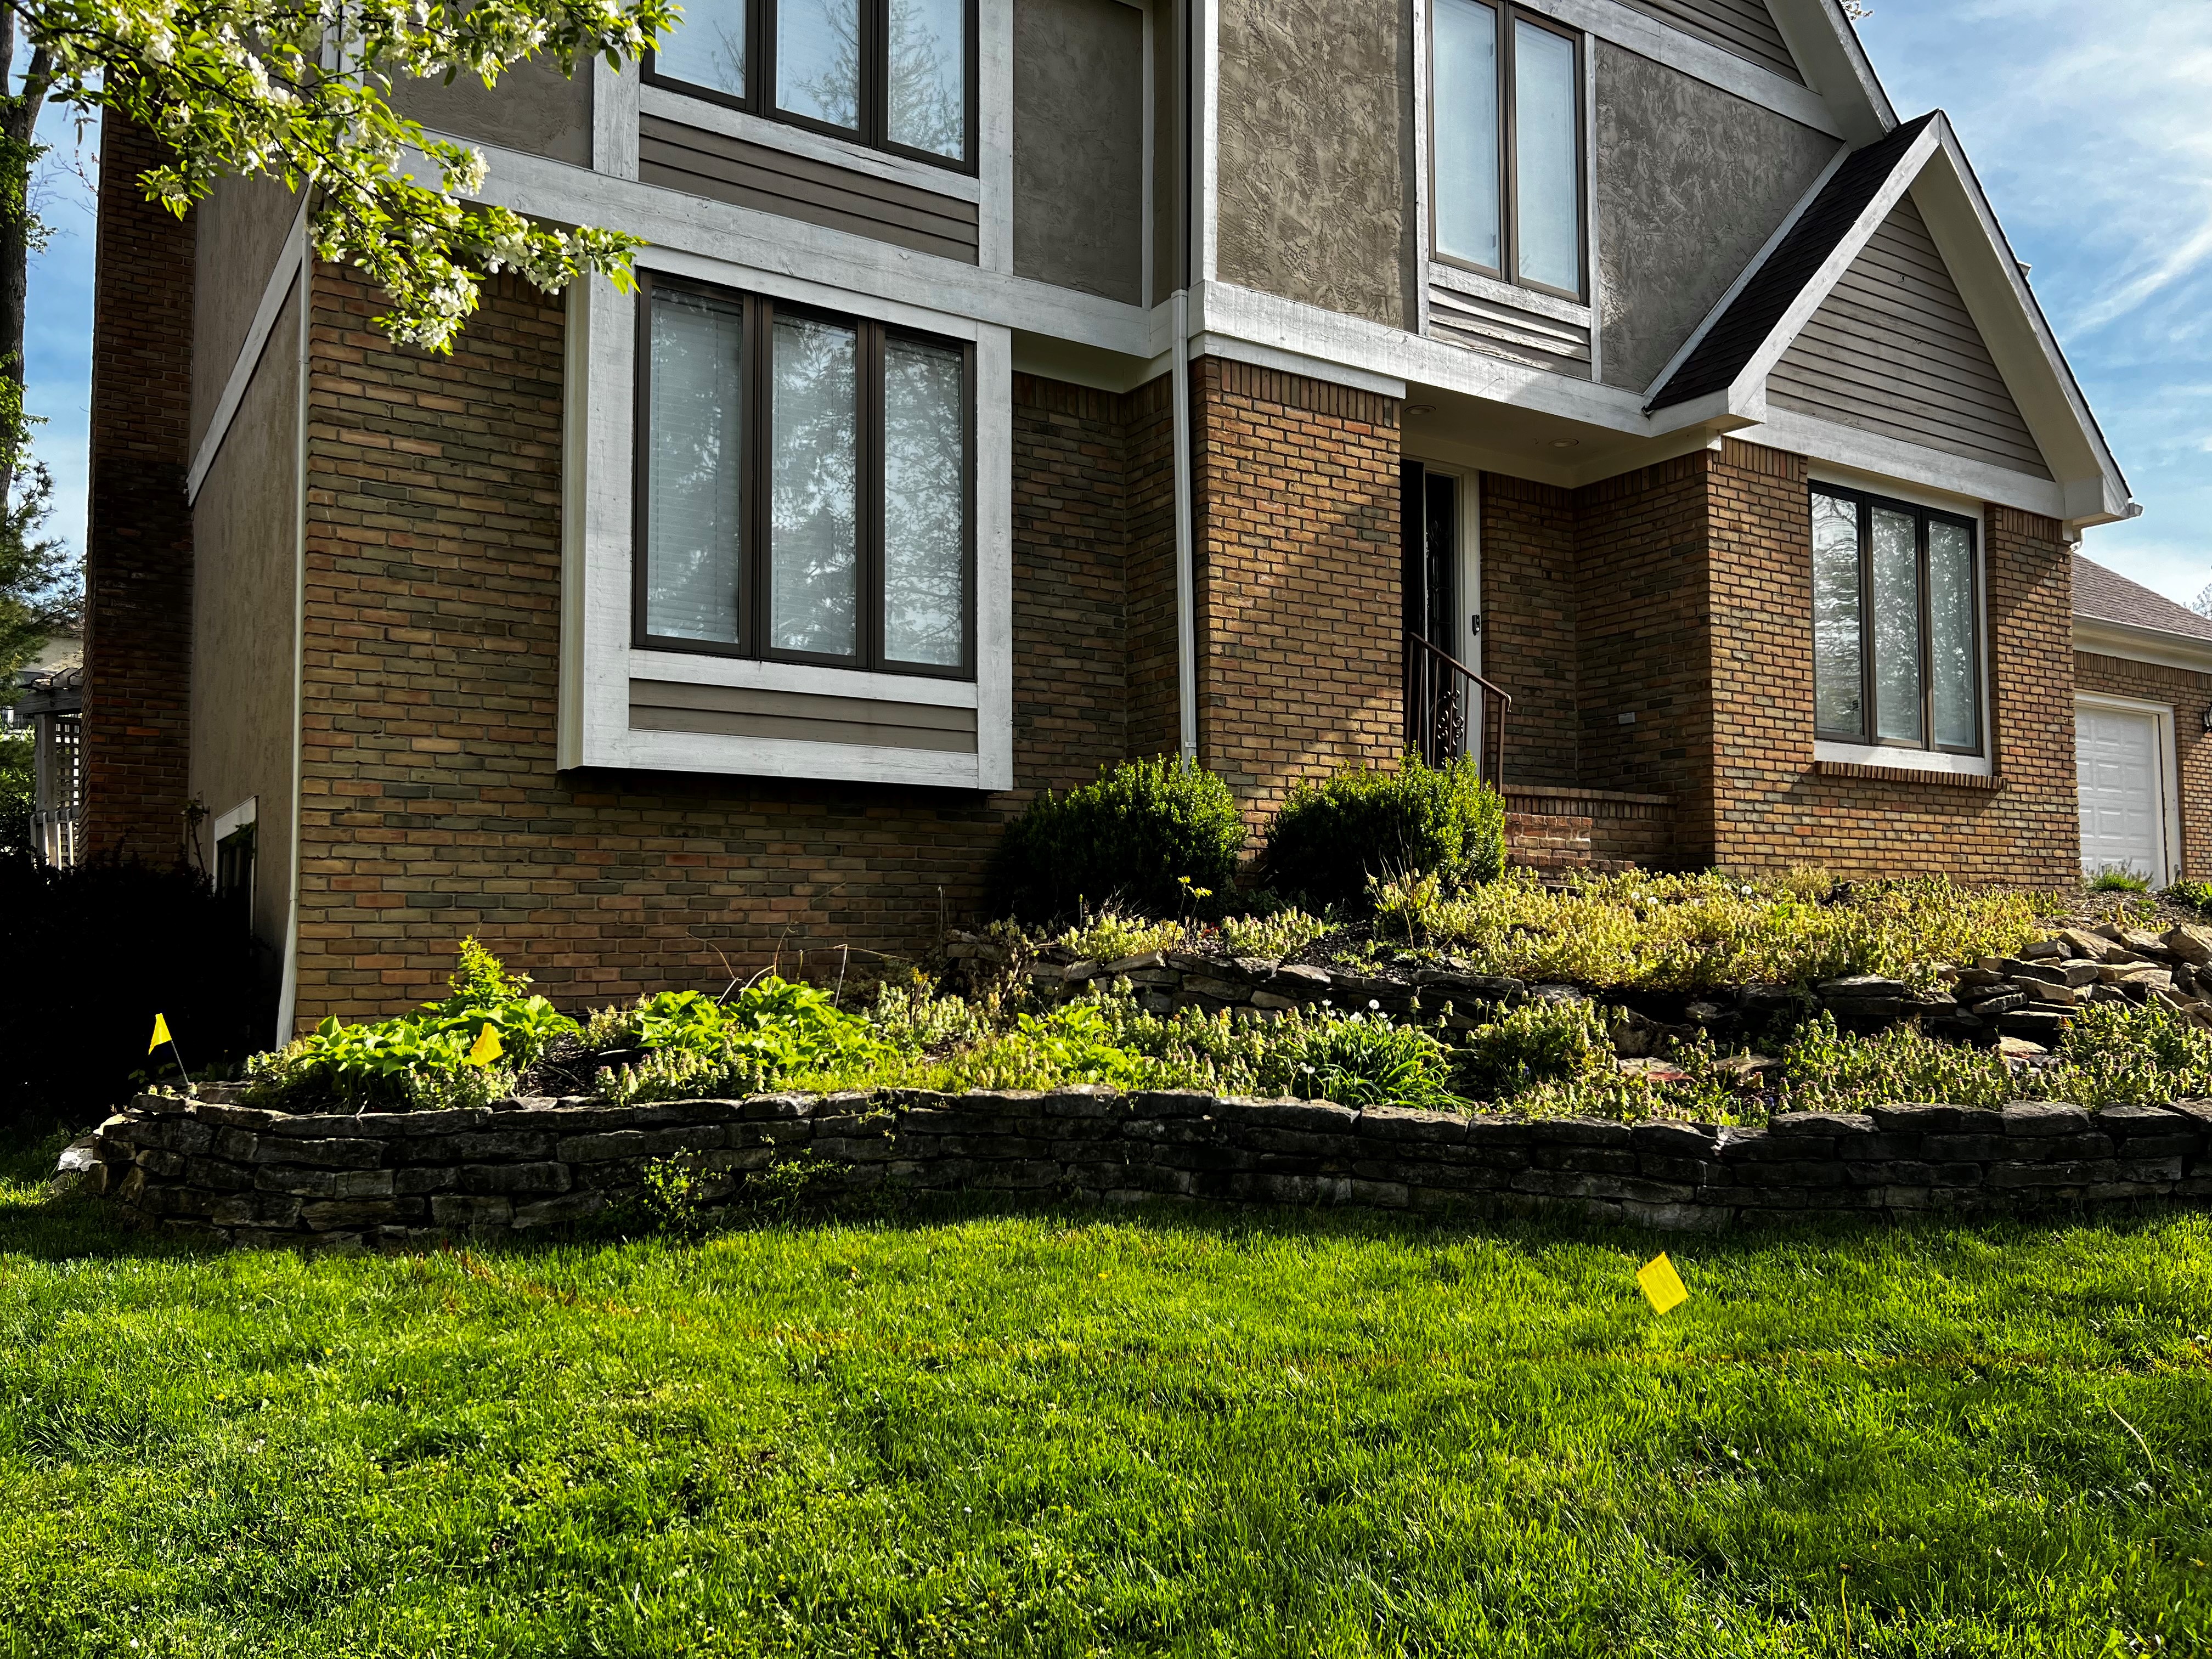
(1749, 316)
(2106, 596)
(1719, 376)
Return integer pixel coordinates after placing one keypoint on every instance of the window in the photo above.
(1505, 144)
(897, 75)
(803, 487)
(1896, 633)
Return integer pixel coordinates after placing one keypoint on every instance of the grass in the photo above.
(1195, 1433)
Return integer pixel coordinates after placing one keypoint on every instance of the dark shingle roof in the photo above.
(1740, 330)
(2106, 596)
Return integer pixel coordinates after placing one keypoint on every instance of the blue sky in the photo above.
(2088, 124)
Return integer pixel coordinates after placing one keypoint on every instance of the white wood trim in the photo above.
(1829, 56)
(1424, 101)
(666, 104)
(1474, 283)
(994, 134)
(1382, 349)
(615, 100)
(1292, 362)
(1650, 37)
(2169, 772)
(287, 982)
(1908, 760)
(1206, 140)
(741, 239)
(1899, 467)
(2101, 637)
(275, 289)
(597, 660)
(789, 757)
(229, 823)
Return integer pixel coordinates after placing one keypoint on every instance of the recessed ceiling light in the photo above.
(1420, 409)
(1565, 443)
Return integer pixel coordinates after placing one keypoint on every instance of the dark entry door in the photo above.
(1435, 710)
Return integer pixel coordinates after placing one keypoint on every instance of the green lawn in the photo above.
(1205, 1434)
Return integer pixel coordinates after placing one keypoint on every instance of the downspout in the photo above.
(288, 996)
(1185, 570)
(1185, 506)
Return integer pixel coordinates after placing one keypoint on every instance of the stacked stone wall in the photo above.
(405, 1180)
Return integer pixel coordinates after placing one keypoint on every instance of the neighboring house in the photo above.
(48, 706)
(1015, 388)
(2142, 744)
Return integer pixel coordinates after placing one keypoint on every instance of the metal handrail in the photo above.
(1437, 699)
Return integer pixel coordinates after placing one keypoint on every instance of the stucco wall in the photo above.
(533, 109)
(238, 230)
(1080, 145)
(1691, 181)
(1316, 153)
(245, 526)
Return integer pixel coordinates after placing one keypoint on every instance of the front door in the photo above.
(1437, 712)
(2119, 772)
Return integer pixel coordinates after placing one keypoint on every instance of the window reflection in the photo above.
(818, 60)
(694, 486)
(813, 518)
(929, 76)
(925, 505)
(707, 47)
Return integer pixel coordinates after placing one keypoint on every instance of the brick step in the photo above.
(1556, 843)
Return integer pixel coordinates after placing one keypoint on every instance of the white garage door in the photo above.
(2116, 762)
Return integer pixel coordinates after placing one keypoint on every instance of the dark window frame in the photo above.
(758, 463)
(1865, 503)
(1509, 170)
(873, 131)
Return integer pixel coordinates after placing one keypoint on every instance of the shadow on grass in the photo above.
(57, 1228)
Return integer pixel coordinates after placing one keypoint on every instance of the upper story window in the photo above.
(895, 75)
(1896, 628)
(1506, 144)
(803, 489)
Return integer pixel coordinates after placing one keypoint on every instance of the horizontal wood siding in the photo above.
(746, 711)
(1506, 331)
(1892, 351)
(1745, 27)
(711, 164)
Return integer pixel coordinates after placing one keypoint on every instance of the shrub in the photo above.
(2118, 878)
(1330, 841)
(769, 1031)
(2194, 895)
(94, 953)
(421, 1061)
(1538, 1042)
(1146, 837)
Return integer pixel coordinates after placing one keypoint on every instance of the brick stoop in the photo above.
(1598, 832)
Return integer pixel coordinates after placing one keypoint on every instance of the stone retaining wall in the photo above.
(397, 1180)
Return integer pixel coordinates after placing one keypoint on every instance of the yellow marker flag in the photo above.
(1661, 1283)
(160, 1034)
(487, 1048)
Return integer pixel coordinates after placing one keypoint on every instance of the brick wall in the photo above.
(431, 806)
(1148, 431)
(2190, 695)
(1644, 637)
(138, 531)
(1775, 805)
(1528, 602)
(1296, 488)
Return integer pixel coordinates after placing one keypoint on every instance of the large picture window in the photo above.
(804, 488)
(896, 75)
(1506, 144)
(1896, 624)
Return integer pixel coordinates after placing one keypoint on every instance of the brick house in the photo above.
(1270, 382)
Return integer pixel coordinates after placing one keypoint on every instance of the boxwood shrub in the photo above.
(1329, 840)
(1132, 840)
